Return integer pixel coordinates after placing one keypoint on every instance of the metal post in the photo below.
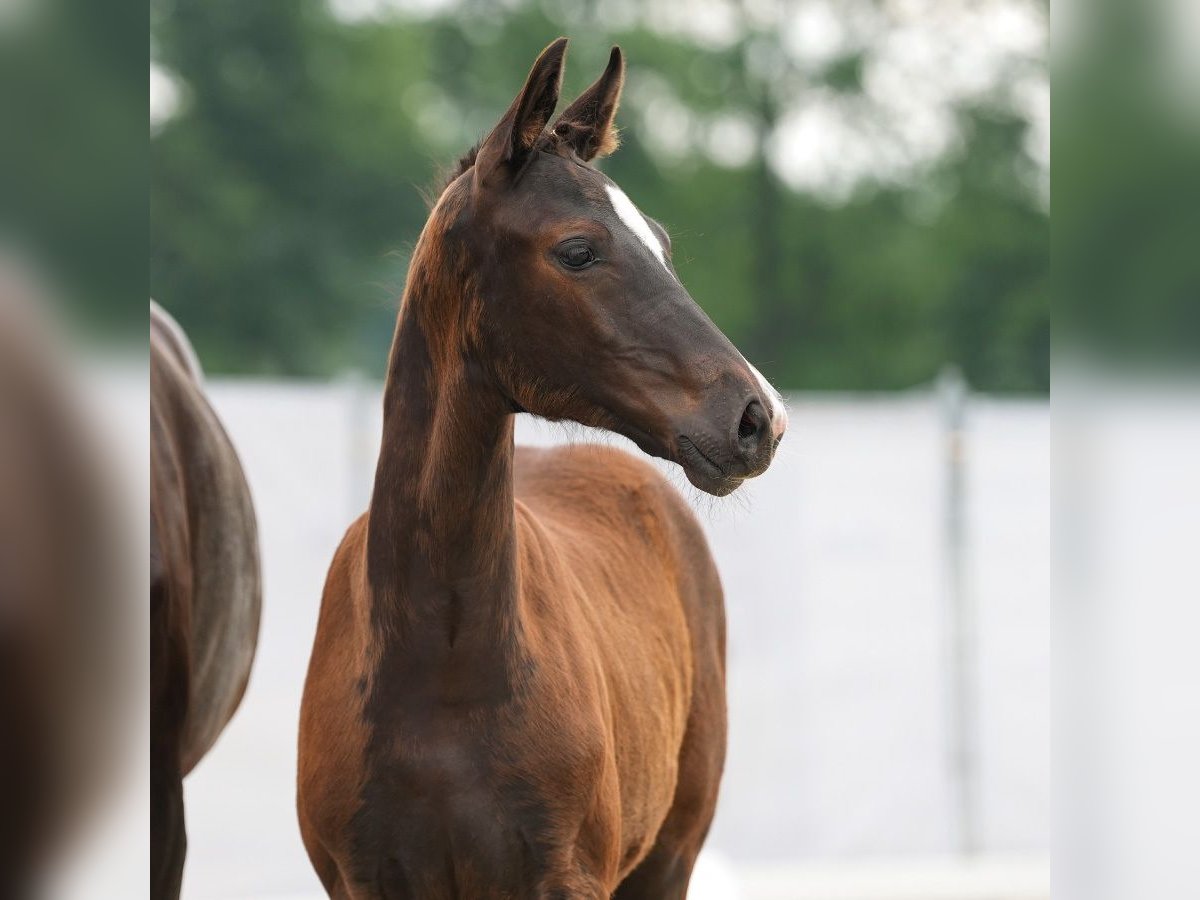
(962, 725)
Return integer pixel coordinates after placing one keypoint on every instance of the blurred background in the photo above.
(858, 194)
(859, 190)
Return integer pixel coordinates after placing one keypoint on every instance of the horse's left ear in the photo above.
(587, 124)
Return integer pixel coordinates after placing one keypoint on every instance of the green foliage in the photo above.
(287, 191)
(1127, 273)
(73, 156)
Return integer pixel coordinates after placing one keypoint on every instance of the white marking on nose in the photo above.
(775, 406)
(635, 222)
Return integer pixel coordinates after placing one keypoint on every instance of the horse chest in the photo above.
(454, 811)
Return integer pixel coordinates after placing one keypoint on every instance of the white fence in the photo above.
(836, 576)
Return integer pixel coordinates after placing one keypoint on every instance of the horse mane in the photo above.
(464, 162)
(547, 141)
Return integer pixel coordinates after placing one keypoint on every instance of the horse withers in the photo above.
(205, 593)
(517, 686)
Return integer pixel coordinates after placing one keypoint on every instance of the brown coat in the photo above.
(517, 686)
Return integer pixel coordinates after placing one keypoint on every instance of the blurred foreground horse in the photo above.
(65, 611)
(517, 688)
(204, 587)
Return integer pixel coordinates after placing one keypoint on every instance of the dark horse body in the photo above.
(64, 591)
(517, 687)
(204, 587)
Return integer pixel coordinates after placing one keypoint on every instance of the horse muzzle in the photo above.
(718, 461)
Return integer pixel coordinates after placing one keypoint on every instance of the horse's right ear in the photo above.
(507, 148)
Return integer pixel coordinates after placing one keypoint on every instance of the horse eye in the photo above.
(576, 255)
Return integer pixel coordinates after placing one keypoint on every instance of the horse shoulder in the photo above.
(652, 612)
(617, 503)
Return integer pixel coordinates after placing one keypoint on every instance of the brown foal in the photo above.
(517, 687)
(204, 588)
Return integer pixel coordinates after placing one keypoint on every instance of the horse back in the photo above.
(334, 731)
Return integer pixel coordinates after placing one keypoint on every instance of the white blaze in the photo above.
(779, 416)
(635, 222)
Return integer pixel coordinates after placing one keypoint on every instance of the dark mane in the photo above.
(464, 162)
(547, 141)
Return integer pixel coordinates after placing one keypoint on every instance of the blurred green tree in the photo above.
(286, 189)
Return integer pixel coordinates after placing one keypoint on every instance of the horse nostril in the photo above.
(752, 426)
(746, 427)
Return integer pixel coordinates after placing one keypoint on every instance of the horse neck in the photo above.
(441, 546)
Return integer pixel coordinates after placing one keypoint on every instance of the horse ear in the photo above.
(587, 124)
(516, 134)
